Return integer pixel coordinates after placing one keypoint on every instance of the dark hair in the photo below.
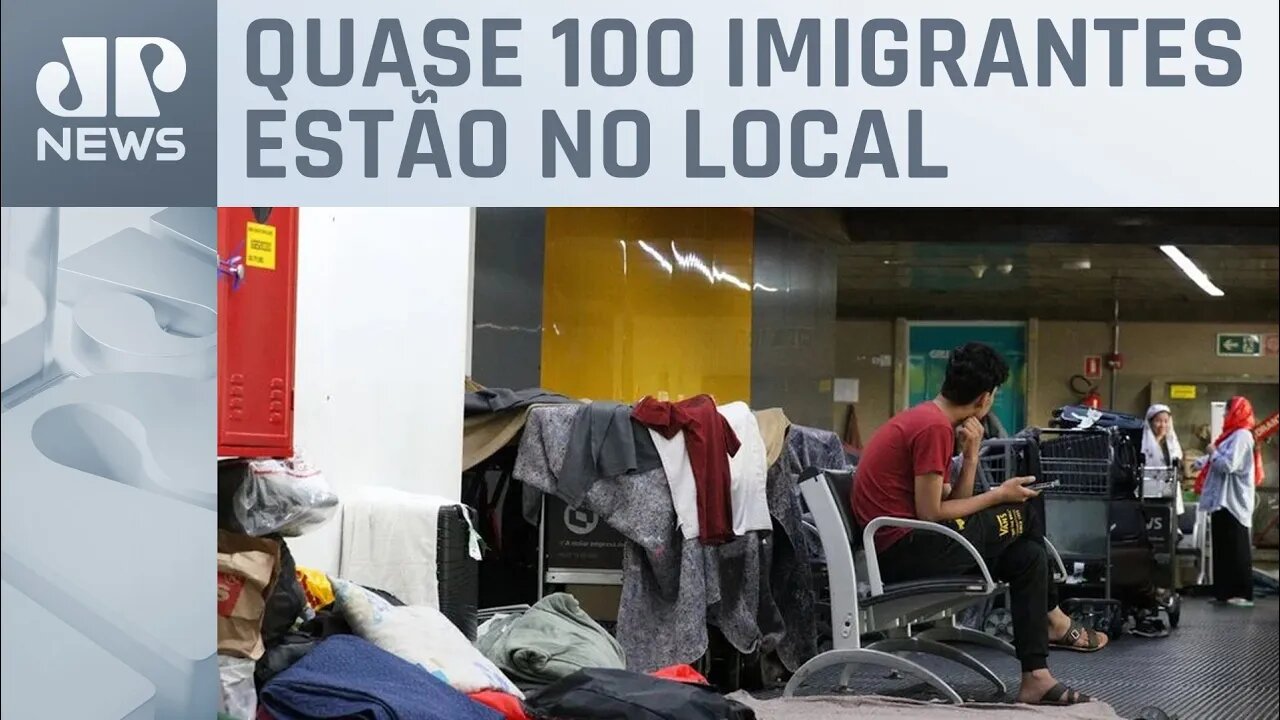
(973, 369)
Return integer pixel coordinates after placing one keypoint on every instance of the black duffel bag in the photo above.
(606, 694)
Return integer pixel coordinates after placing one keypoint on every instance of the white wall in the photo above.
(383, 301)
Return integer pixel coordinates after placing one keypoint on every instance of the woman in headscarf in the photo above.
(1161, 451)
(1226, 483)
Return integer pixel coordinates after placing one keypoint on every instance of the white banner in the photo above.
(714, 103)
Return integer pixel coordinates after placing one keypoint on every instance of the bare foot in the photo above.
(1059, 623)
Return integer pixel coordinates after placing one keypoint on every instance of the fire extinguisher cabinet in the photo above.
(257, 300)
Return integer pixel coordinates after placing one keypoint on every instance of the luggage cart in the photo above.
(1078, 516)
(1158, 493)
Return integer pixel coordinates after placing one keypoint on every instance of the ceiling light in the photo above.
(978, 270)
(1004, 268)
(1081, 264)
(1191, 270)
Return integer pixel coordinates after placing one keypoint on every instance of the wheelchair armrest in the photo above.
(1060, 570)
(873, 561)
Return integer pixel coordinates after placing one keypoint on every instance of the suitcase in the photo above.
(457, 573)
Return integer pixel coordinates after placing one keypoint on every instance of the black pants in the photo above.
(1232, 557)
(1010, 539)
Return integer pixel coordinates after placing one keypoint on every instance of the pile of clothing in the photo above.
(296, 643)
(365, 654)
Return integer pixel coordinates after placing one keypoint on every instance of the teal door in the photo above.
(929, 346)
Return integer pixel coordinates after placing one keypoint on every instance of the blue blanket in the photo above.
(347, 677)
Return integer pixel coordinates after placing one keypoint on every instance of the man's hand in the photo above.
(971, 433)
(1014, 490)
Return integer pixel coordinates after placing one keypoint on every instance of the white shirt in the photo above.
(684, 490)
(748, 471)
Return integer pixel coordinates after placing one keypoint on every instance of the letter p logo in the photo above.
(135, 85)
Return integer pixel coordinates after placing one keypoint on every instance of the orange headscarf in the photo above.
(1239, 417)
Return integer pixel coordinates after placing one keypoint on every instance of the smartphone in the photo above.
(1041, 485)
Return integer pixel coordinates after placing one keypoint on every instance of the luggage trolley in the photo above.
(1158, 494)
(1079, 519)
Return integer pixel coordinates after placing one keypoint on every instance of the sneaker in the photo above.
(1240, 603)
(1149, 625)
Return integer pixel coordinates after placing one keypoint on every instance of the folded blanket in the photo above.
(389, 541)
(346, 677)
(549, 641)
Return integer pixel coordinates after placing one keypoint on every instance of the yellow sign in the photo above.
(260, 246)
(1182, 392)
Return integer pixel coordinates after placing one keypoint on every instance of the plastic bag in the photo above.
(285, 497)
(239, 693)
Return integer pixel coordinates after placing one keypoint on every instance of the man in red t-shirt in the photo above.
(904, 472)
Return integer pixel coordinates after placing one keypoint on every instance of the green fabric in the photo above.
(551, 640)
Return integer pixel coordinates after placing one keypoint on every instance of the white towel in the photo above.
(748, 471)
(389, 543)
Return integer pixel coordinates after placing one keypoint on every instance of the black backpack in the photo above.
(605, 694)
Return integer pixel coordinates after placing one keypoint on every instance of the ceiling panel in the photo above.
(915, 275)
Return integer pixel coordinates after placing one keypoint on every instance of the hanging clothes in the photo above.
(605, 443)
(494, 400)
(747, 471)
(774, 425)
(709, 442)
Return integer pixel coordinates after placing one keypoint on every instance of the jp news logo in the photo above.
(122, 90)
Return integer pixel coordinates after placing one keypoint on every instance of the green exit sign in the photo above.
(1239, 345)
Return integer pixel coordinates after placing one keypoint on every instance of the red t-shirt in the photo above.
(919, 441)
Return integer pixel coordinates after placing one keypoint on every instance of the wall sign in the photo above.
(1239, 345)
(260, 246)
(1182, 392)
(1093, 367)
(1271, 345)
(577, 540)
(846, 390)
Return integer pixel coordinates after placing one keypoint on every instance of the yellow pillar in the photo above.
(648, 302)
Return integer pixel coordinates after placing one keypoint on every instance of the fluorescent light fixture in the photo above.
(1191, 270)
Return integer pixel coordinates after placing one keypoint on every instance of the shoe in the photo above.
(1150, 627)
(1240, 603)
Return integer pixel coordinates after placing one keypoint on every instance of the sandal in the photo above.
(1060, 696)
(1071, 639)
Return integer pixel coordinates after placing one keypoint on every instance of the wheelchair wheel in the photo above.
(999, 623)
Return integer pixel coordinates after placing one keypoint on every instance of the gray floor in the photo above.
(1220, 664)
